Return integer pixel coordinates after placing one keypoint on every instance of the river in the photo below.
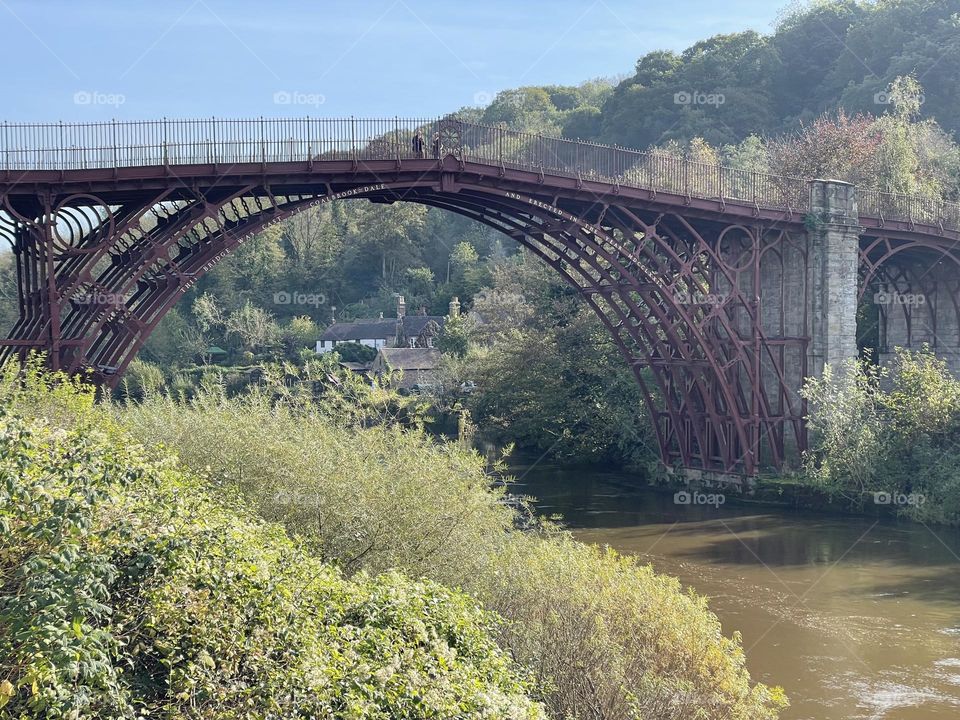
(853, 617)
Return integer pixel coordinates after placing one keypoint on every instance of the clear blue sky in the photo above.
(78, 60)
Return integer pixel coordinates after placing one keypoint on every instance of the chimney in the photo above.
(401, 306)
(454, 307)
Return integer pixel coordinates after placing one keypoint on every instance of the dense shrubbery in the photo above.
(548, 375)
(602, 635)
(126, 591)
(893, 432)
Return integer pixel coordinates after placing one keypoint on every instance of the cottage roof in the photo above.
(361, 330)
(411, 358)
(413, 325)
(357, 367)
(379, 329)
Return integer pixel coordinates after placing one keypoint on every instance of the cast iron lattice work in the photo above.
(700, 273)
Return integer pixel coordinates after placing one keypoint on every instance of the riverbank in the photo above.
(786, 492)
(820, 598)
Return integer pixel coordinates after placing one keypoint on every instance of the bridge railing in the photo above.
(658, 171)
(62, 146)
(896, 206)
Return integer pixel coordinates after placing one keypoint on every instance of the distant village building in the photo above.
(407, 331)
(372, 333)
(361, 369)
(419, 366)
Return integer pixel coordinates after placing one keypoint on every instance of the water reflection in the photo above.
(856, 618)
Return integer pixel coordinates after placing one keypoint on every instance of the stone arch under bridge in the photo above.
(722, 289)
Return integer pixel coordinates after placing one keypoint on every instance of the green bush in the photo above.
(889, 431)
(603, 635)
(355, 352)
(127, 591)
(142, 378)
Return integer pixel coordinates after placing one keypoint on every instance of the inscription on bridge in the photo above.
(592, 229)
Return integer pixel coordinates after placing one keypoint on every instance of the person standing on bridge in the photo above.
(436, 145)
(419, 145)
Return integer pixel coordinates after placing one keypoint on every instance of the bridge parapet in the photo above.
(212, 141)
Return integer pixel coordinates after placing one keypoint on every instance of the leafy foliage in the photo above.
(596, 630)
(127, 591)
(889, 432)
(822, 56)
(548, 375)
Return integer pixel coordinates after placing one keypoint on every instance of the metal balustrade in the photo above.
(63, 146)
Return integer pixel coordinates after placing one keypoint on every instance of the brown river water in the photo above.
(853, 617)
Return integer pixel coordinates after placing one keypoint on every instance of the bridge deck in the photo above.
(78, 151)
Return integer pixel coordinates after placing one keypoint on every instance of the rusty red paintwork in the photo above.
(110, 231)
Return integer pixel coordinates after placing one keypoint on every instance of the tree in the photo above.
(584, 123)
(208, 314)
(463, 258)
(355, 352)
(9, 312)
(530, 108)
(419, 281)
(889, 431)
(168, 344)
(454, 339)
(840, 147)
(253, 326)
(385, 234)
(300, 332)
(315, 244)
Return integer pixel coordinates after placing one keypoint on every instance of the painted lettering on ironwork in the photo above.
(555, 210)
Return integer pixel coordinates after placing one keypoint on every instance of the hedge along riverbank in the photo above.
(604, 636)
(127, 590)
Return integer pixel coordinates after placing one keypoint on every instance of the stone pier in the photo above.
(834, 242)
